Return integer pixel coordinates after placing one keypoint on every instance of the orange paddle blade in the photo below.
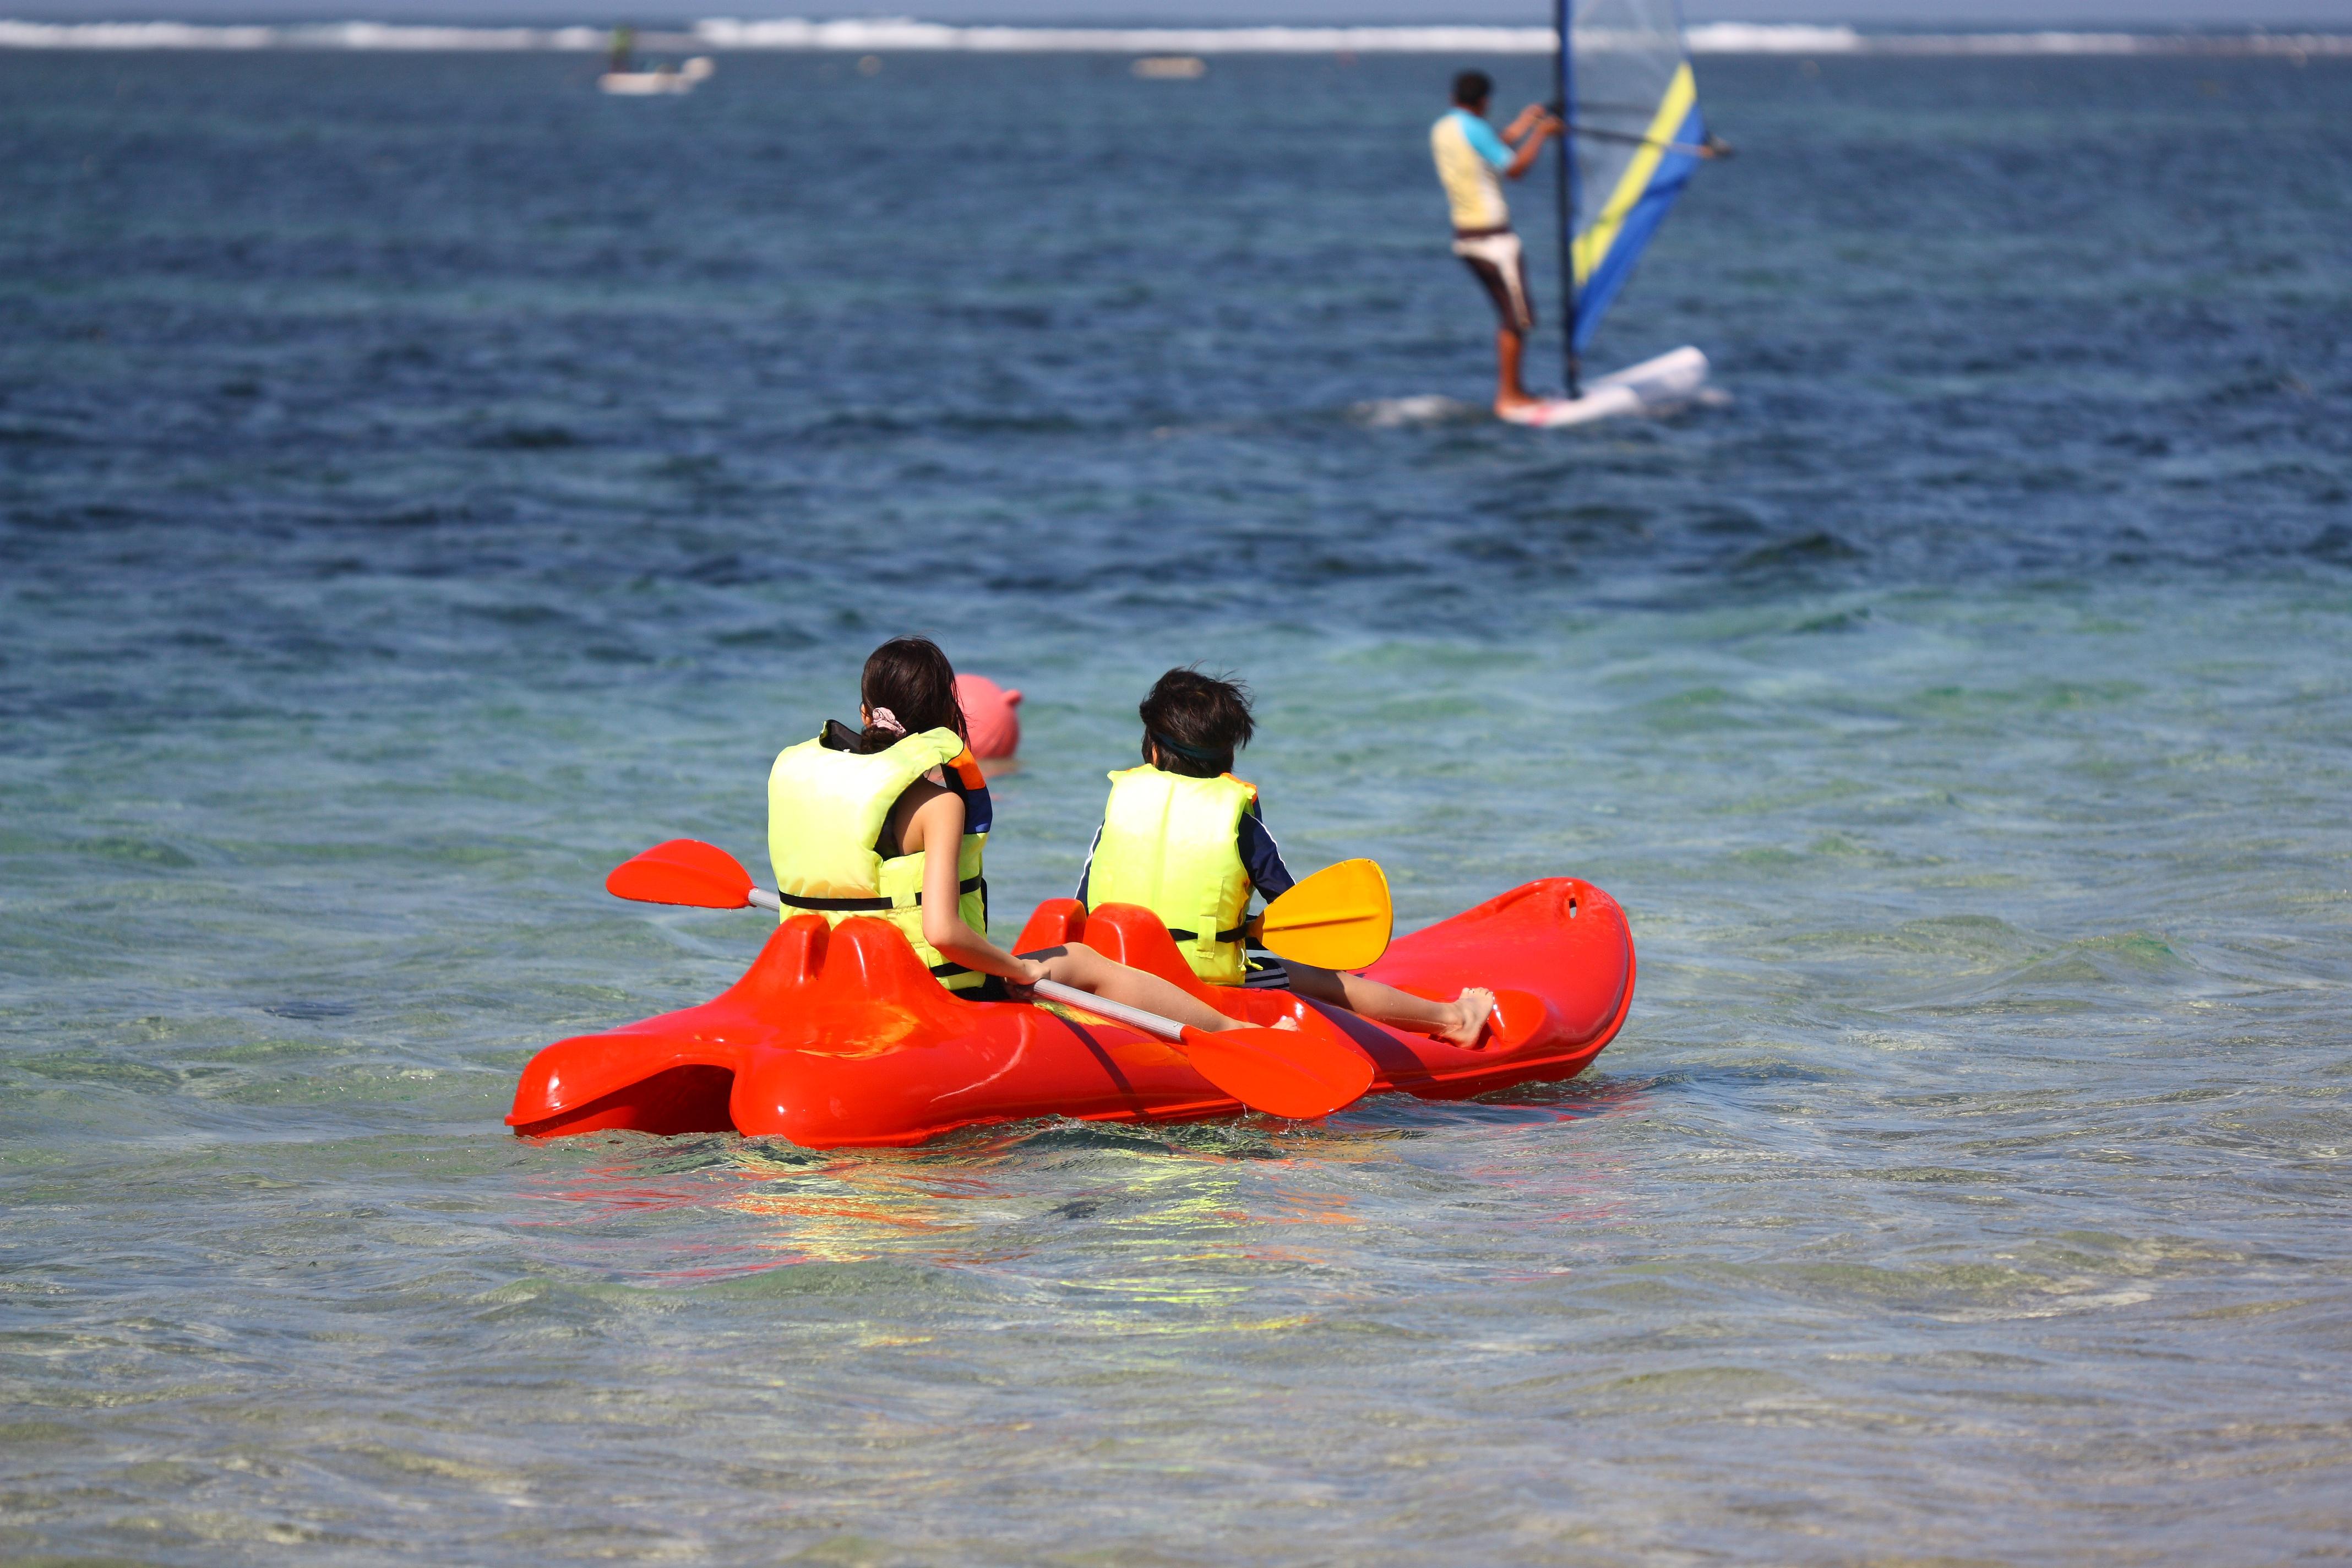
(683, 871)
(1340, 918)
(1298, 1076)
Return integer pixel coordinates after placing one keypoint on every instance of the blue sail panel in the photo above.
(1607, 273)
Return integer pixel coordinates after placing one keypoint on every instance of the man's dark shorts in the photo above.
(1495, 259)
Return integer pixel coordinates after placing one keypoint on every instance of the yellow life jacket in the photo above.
(827, 811)
(1168, 843)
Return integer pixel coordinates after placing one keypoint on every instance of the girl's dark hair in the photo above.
(1197, 720)
(1472, 88)
(910, 676)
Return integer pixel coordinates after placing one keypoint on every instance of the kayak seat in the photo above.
(1139, 939)
(1133, 935)
(1057, 924)
(1124, 933)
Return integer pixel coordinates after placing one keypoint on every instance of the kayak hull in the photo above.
(837, 1036)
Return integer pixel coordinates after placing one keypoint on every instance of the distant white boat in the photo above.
(660, 79)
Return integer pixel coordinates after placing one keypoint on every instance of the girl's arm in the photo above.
(936, 829)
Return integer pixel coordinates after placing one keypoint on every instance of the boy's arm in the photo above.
(1262, 858)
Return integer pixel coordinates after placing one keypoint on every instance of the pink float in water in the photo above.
(989, 716)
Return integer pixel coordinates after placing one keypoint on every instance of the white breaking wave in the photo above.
(1771, 38)
(1749, 38)
(900, 34)
(903, 33)
(323, 36)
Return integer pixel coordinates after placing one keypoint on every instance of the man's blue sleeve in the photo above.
(1261, 857)
(1485, 141)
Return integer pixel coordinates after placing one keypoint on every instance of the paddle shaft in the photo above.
(1117, 1012)
(1285, 1075)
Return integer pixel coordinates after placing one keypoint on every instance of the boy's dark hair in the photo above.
(1197, 721)
(910, 676)
(1472, 88)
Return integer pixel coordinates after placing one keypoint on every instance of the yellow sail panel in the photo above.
(1595, 242)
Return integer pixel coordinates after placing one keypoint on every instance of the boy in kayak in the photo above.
(892, 820)
(1184, 839)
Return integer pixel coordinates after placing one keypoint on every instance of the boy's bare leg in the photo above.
(1458, 1022)
(1080, 965)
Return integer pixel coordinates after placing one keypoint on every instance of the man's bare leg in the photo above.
(1509, 392)
(1458, 1022)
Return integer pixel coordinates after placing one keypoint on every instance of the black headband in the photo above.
(1189, 754)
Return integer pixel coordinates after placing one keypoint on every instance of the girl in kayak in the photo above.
(1184, 839)
(892, 819)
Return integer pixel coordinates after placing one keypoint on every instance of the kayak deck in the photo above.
(838, 1036)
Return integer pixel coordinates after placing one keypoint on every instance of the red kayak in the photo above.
(837, 1036)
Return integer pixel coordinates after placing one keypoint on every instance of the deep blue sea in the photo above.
(424, 482)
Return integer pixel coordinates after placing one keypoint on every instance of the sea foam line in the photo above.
(862, 36)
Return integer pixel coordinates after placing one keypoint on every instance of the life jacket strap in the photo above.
(800, 904)
(1181, 934)
(969, 885)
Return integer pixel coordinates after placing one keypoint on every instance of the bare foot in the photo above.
(1515, 408)
(1473, 1009)
(1286, 1022)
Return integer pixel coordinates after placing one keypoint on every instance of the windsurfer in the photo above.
(1470, 156)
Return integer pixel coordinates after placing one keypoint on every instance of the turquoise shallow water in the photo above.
(425, 483)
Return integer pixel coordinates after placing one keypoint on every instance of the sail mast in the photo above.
(1564, 190)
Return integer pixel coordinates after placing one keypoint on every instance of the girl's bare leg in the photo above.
(1459, 1022)
(1080, 965)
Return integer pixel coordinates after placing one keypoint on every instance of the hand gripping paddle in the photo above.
(1285, 1073)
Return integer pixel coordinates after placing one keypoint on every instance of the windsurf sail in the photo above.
(1634, 135)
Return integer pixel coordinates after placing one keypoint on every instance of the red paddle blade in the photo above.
(683, 871)
(1297, 1076)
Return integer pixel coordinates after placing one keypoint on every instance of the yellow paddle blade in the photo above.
(1337, 919)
